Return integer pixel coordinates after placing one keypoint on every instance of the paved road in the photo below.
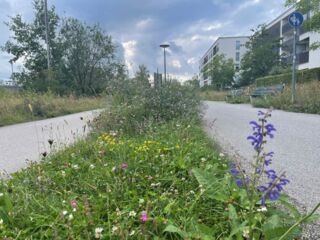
(296, 144)
(27, 141)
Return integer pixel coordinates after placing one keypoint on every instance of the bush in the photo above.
(133, 109)
(303, 76)
(307, 99)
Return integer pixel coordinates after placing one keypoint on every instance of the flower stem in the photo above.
(299, 222)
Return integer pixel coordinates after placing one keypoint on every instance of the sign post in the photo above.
(295, 20)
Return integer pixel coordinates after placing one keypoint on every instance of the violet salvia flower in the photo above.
(262, 130)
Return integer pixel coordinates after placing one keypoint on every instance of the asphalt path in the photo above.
(296, 144)
(25, 142)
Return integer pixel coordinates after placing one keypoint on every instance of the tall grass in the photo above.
(14, 106)
(212, 95)
(307, 99)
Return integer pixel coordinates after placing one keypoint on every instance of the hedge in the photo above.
(303, 76)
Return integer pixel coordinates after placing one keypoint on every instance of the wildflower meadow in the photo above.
(148, 171)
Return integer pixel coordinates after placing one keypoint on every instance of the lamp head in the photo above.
(164, 45)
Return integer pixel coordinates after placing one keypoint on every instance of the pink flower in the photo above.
(113, 168)
(144, 216)
(124, 166)
(73, 203)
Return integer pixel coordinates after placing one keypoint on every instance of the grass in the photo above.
(87, 186)
(156, 177)
(308, 99)
(212, 95)
(15, 107)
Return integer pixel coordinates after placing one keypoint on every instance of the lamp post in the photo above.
(164, 46)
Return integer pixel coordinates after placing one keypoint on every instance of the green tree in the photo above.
(261, 57)
(221, 71)
(89, 56)
(142, 76)
(27, 43)
(313, 23)
(82, 57)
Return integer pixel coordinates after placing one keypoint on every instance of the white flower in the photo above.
(1, 221)
(203, 159)
(64, 212)
(75, 166)
(63, 173)
(221, 155)
(246, 233)
(118, 212)
(101, 143)
(191, 192)
(132, 233)
(64, 201)
(262, 209)
(113, 168)
(114, 229)
(183, 179)
(132, 214)
(141, 201)
(1, 194)
(74, 209)
(70, 217)
(98, 232)
(92, 166)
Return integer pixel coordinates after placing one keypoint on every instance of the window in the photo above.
(237, 56)
(238, 45)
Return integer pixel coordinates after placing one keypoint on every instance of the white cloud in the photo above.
(129, 53)
(176, 63)
(144, 23)
(212, 26)
(192, 61)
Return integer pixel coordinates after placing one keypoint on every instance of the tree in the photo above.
(88, 56)
(261, 57)
(221, 71)
(313, 23)
(28, 43)
(82, 57)
(142, 76)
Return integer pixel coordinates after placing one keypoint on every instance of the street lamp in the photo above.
(164, 46)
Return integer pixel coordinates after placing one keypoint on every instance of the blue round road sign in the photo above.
(295, 19)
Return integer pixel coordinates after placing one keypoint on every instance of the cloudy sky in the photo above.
(139, 26)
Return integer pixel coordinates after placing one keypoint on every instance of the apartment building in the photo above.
(281, 29)
(231, 47)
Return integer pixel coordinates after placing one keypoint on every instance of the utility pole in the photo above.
(47, 31)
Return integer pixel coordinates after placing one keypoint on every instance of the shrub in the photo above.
(135, 110)
(303, 76)
(307, 99)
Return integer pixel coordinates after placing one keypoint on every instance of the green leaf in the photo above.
(290, 207)
(214, 186)
(173, 229)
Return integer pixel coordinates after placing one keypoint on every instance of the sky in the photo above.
(138, 27)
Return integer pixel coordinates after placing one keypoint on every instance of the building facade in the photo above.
(231, 47)
(281, 29)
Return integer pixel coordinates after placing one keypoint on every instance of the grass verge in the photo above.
(212, 95)
(14, 107)
(308, 99)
